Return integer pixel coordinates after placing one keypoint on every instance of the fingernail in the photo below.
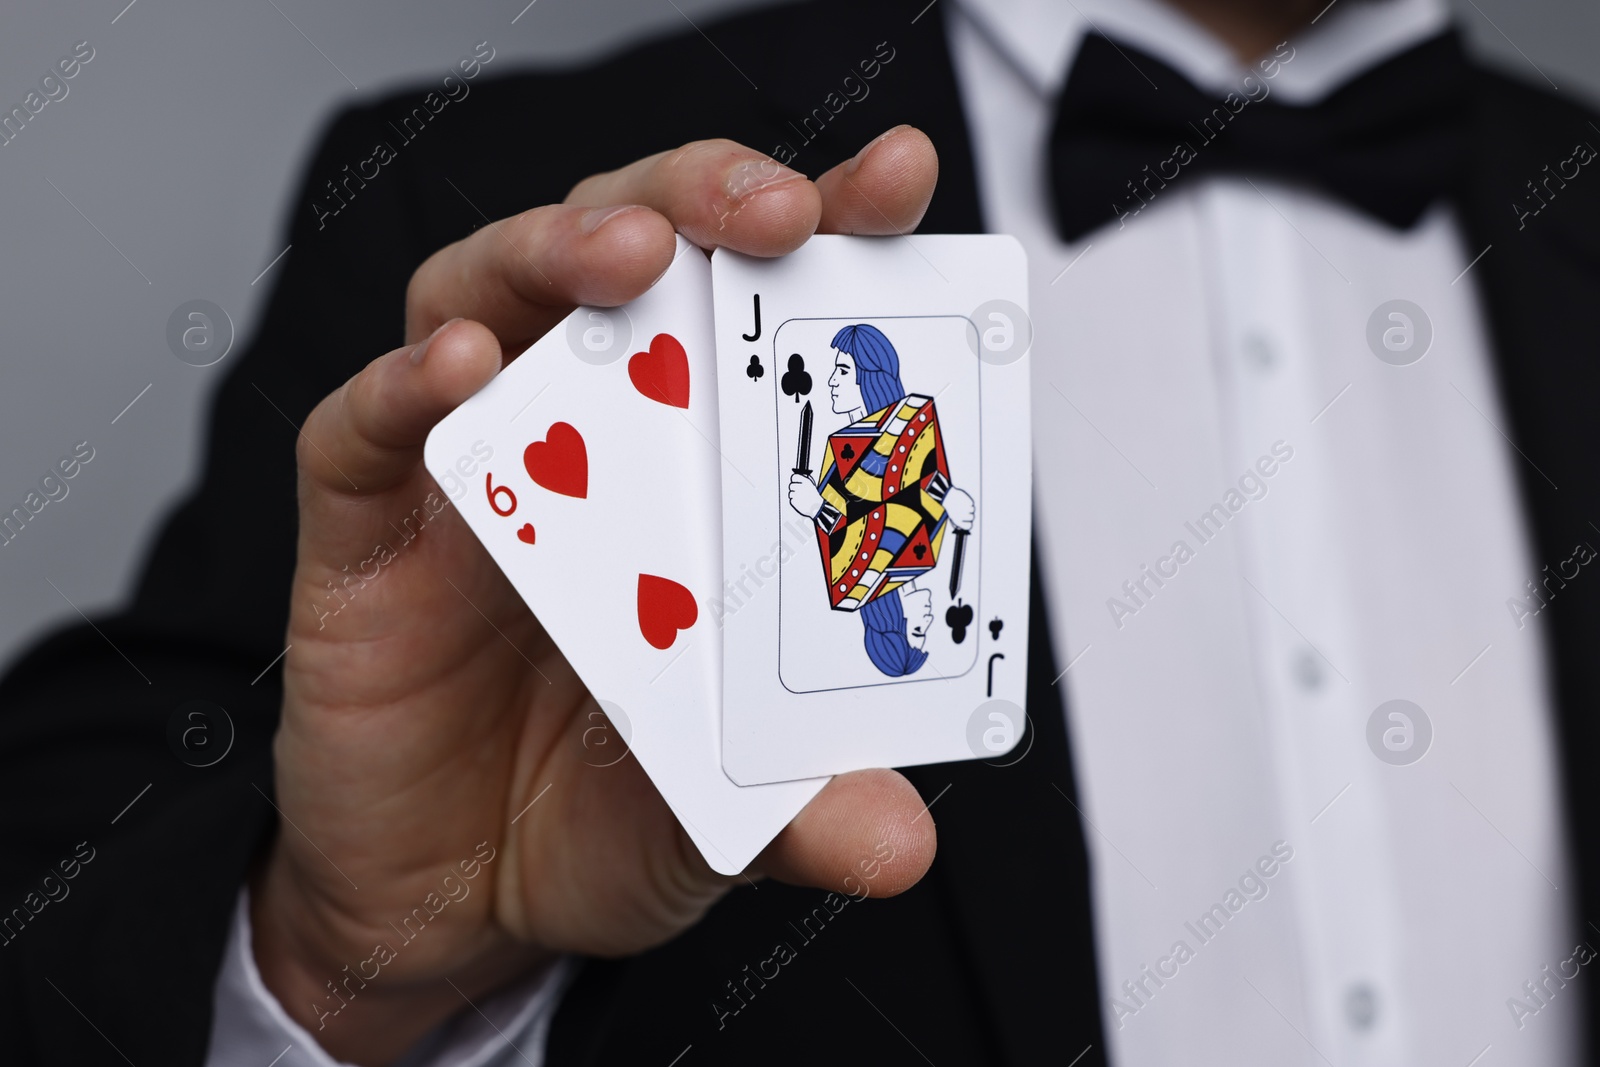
(597, 217)
(754, 175)
(853, 164)
(421, 350)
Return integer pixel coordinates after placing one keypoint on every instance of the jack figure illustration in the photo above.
(883, 501)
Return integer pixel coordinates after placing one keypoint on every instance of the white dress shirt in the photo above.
(1227, 709)
(251, 1029)
(1367, 912)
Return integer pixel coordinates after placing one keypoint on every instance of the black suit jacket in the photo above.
(990, 960)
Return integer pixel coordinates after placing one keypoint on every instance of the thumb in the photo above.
(866, 831)
(367, 437)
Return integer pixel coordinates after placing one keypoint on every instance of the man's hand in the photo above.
(432, 713)
(803, 495)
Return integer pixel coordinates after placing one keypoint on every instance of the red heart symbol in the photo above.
(560, 462)
(662, 374)
(526, 534)
(665, 607)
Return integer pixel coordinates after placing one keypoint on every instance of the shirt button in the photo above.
(1258, 351)
(1361, 1006)
(1307, 670)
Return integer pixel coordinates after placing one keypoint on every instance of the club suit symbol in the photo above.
(796, 382)
(958, 617)
(755, 370)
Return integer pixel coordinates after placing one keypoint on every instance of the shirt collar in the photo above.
(1038, 38)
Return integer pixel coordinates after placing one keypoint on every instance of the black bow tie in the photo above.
(1127, 127)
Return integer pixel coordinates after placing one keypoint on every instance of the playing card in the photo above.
(599, 500)
(876, 503)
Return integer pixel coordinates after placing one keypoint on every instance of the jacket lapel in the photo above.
(1539, 236)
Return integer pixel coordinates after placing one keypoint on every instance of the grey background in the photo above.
(162, 177)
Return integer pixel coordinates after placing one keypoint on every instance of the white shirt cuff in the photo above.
(249, 1027)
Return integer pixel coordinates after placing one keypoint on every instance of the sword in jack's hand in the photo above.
(955, 561)
(802, 458)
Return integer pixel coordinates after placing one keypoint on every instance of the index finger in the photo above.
(718, 194)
